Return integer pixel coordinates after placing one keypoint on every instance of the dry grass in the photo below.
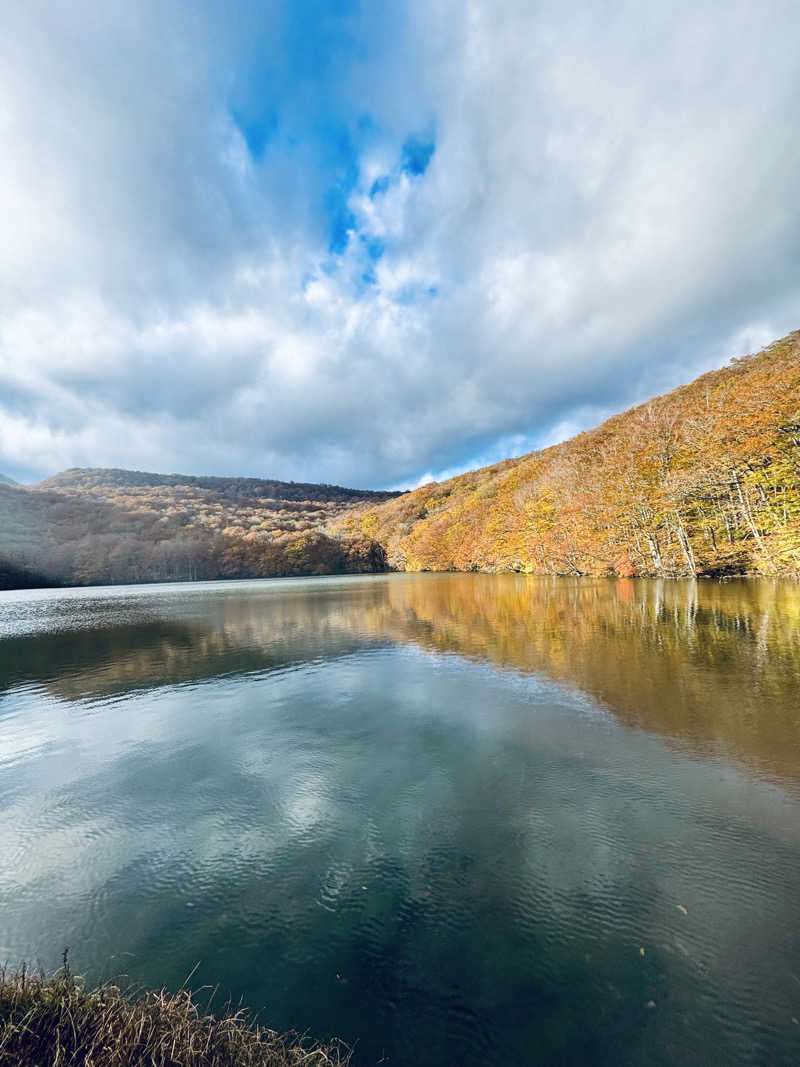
(58, 1022)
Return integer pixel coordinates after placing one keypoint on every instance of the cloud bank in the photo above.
(367, 245)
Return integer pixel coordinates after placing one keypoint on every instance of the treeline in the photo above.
(68, 538)
(702, 481)
(91, 478)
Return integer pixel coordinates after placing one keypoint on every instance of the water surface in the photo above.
(461, 819)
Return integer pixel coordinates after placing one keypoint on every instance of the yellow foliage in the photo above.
(704, 480)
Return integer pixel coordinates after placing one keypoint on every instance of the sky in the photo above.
(378, 243)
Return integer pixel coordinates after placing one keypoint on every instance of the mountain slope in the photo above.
(704, 480)
(5, 480)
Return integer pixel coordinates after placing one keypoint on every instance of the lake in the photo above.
(453, 819)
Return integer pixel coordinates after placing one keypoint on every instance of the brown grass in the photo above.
(59, 1022)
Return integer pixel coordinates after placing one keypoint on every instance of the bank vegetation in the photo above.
(60, 1021)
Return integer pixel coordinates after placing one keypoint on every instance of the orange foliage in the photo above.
(704, 480)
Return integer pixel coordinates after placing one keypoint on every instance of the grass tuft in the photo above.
(58, 1022)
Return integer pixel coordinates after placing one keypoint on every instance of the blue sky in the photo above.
(376, 244)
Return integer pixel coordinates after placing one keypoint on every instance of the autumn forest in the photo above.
(702, 481)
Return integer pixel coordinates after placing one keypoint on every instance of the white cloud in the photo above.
(610, 208)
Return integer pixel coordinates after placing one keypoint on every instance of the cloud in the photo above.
(316, 242)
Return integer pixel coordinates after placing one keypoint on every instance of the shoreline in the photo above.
(59, 1019)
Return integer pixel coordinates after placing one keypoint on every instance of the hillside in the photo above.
(5, 480)
(108, 526)
(90, 479)
(704, 480)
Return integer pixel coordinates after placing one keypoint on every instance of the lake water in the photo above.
(454, 819)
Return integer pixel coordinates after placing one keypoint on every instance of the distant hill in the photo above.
(105, 526)
(5, 480)
(88, 478)
(702, 481)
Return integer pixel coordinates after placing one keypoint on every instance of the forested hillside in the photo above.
(87, 527)
(704, 480)
(108, 480)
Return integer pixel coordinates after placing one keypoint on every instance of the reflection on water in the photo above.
(707, 663)
(452, 817)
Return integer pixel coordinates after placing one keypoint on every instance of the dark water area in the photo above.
(452, 819)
